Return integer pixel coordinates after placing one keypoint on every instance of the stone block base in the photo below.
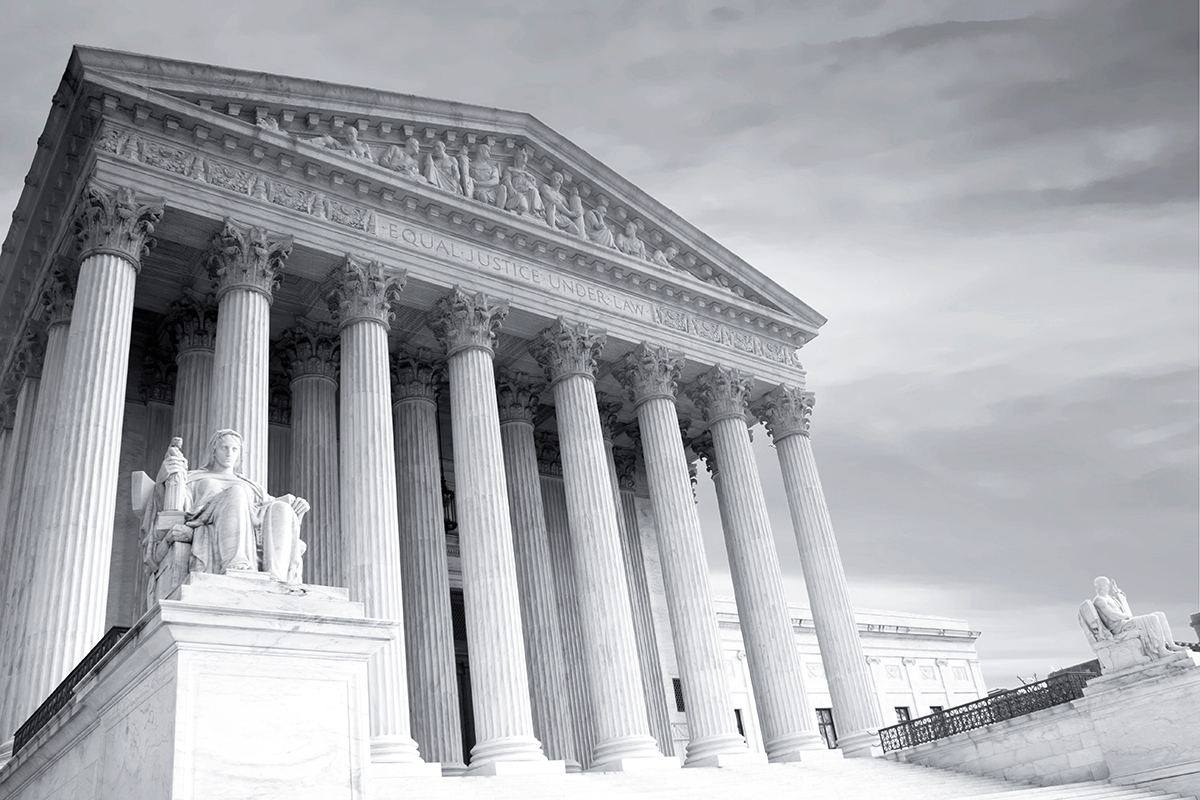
(801, 756)
(860, 745)
(405, 769)
(729, 760)
(518, 768)
(635, 765)
(236, 688)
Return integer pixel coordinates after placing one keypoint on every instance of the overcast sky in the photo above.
(994, 203)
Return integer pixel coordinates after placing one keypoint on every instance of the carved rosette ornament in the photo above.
(785, 411)
(609, 408)
(648, 372)
(463, 321)
(192, 324)
(58, 298)
(703, 446)
(364, 291)
(247, 257)
(721, 393)
(117, 221)
(565, 349)
(310, 348)
(518, 396)
(416, 374)
(549, 456)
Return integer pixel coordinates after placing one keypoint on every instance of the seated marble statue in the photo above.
(1113, 610)
(596, 226)
(629, 243)
(357, 149)
(442, 171)
(405, 160)
(561, 213)
(484, 180)
(228, 516)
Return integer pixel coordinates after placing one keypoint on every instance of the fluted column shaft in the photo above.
(711, 722)
(428, 630)
(191, 414)
(240, 382)
(315, 475)
(833, 613)
(369, 522)
(539, 607)
(568, 353)
(71, 574)
(786, 413)
(499, 677)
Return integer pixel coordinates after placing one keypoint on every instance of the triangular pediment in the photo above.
(371, 129)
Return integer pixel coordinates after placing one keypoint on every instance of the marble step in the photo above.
(832, 780)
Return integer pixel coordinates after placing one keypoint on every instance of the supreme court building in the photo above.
(487, 361)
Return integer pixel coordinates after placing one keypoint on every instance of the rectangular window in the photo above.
(678, 686)
(935, 709)
(826, 728)
(903, 714)
(737, 715)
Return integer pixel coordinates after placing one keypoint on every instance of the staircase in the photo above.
(850, 779)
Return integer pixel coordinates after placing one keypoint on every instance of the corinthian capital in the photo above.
(704, 447)
(29, 353)
(464, 321)
(609, 409)
(309, 348)
(565, 349)
(247, 257)
(785, 411)
(549, 455)
(364, 291)
(720, 393)
(117, 221)
(58, 297)
(648, 372)
(518, 396)
(416, 374)
(192, 323)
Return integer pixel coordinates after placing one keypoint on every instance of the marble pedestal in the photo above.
(236, 686)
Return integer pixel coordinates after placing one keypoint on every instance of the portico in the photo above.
(437, 344)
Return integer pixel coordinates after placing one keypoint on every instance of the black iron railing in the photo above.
(996, 708)
(59, 698)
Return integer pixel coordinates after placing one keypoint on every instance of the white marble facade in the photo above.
(339, 273)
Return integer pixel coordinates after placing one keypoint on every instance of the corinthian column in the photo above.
(775, 671)
(428, 627)
(518, 401)
(650, 374)
(786, 412)
(362, 301)
(310, 356)
(505, 740)
(568, 353)
(76, 520)
(247, 264)
(192, 326)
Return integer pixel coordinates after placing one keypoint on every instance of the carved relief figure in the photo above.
(560, 215)
(267, 121)
(325, 141)
(357, 149)
(404, 160)
(521, 186)
(228, 515)
(441, 170)
(663, 257)
(597, 228)
(483, 179)
(629, 243)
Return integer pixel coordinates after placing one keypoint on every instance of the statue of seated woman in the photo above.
(228, 517)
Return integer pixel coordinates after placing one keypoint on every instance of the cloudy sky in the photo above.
(995, 204)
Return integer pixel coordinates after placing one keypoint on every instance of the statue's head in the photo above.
(225, 450)
(1102, 583)
(483, 152)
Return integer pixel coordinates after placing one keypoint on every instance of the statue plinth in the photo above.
(231, 684)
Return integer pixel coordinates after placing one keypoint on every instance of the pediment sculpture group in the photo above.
(513, 188)
(228, 521)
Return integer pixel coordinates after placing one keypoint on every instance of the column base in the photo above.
(493, 768)
(864, 744)
(746, 759)
(635, 746)
(453, 769)
(656, 764)
(395, 749)
(802, 746)
(573, 767)
(508, 749)
(707, 752)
